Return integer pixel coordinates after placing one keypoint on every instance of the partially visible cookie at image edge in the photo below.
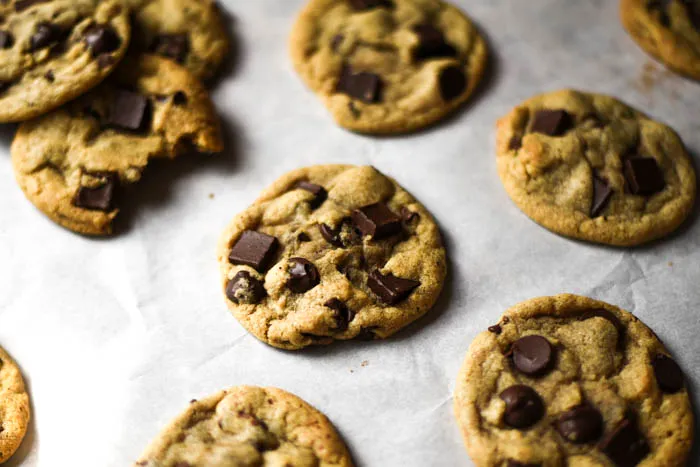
(14, 407)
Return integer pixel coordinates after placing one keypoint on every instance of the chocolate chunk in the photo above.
(303, 237)
(364, 86)
(44, 35)
(581, 424)
(552, 122)
(625, 445)
(601, 196)
(408, 216)
(515, 143)
(102, 39)
(320, 193)
(453, 82)
(180, 98)
(533, 355)
(342, 236)
(377, 221)
(129, 110)
(6, 40)
(303, 275)
(21, 5)
(50, 77)
(332, 236)
(254, 249)
(368, 4)
(389, 288)
(669, 375)
(643, 176)
(337, 42)
(245, 289)
(431, 43)
(524, 407)
(174, 46)
(496, 329)
(100, 197)
(343, 315)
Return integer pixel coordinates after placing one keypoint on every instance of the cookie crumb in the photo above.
(211, 195)
(365, 363)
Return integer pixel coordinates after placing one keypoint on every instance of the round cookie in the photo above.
(568, 380)
(331, 252)
(387, 66)
(72, 162)
(669, 30)
(52, 52)
(248, 426)
(190, 32)
(590, 167)
(14, 407)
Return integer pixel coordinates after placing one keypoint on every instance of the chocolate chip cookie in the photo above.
(190, 32)
(54, 51)
(567, 380)
(73, 162)
(387, 66)
(590, 167)
(248, 426)
(14, 407)
(669, 30)
(328, 253)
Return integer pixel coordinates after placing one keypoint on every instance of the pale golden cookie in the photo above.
(387, 66)
(331, 252)
(248, 427)
(14, 407)
(590, 167)
(571, 381)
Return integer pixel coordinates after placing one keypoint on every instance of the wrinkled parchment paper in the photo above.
(116, 336)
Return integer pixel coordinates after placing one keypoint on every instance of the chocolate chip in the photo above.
(377, 221)
(343, 315)
(551, 122)
(180, 98)
(50, 77)
(102, 39)
(533, 355)
(254, 249)
(303, 275)
(364, 86)
(129, 110)
(496, 329)
(515, 143)
(408, 216)
(643, 176)
(453, 82)
(303, 237)
(581, 424)
(601, 196)
(100, 197)
(331, 235)
(342, 236)
(625, 445)
(524, 406)
(44, 35)
(389, 288)
(246, 289)
(6, 40)
(174, 46)
(336, 42)
(669, 375)
(320, 193)
(21, 5)
(431, 43)
(367, 4)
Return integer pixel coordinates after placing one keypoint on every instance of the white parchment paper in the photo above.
(116, 336)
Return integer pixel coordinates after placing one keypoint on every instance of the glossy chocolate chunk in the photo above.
(102, 39)
(669, 375)
(377, 221)
(6, 40)
(389, 288)
(44, 35)
(368, 4)
(99, 197)
(601, 196)
(320, 193)
(21, 5)
(643, 176)
(364, 86)
(343, 315)
(533, 355)
(254, 249)
(551, 122)
(173, 46)
(524, 407)
(431, 43)
(303, 275)
(582, 424)
(453, 82)
(625, 445)
(129, 110)
(245, 289)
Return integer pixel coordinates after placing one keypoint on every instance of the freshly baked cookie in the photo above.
(14, 407)
(669, 30)
(388, 66)
(331, 252)
(190, 32)
(54, 51)
(72, 162)
(567, 380)
(590, 167)
(248, 426)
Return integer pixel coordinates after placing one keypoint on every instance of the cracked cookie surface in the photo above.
(668, 30)
(72, 162)
(385, 66)
(590, 167)
(14, 407)
(53, 51)
(251, 427)
(568, 380)
(331, 252)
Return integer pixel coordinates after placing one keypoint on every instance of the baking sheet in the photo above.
(116, 336)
